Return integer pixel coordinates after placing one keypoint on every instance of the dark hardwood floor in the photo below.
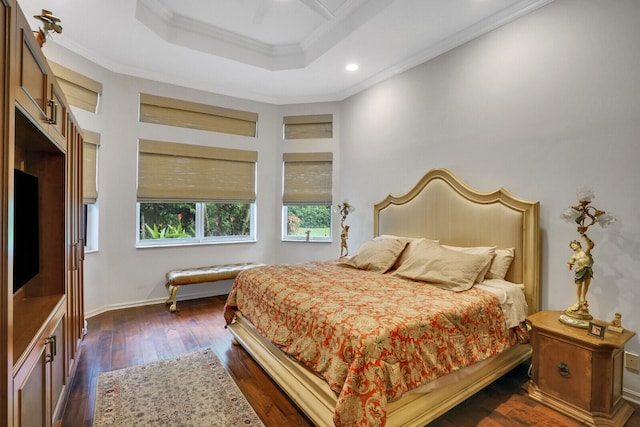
(122, 338)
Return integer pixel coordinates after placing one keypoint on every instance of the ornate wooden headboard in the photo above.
(442, 207)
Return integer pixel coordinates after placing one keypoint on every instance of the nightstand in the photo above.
(576, 373)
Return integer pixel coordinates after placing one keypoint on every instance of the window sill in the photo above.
(303, 240)
(182, 244)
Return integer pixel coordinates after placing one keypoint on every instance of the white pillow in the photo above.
(449, 269)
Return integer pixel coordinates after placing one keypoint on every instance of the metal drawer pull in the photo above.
(564, 369)
(53, 119)
(51, 342)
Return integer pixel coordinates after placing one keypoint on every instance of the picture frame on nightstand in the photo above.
(596, 329)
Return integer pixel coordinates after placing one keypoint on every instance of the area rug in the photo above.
(189, 390)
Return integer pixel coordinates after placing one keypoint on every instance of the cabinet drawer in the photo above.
(564, 371)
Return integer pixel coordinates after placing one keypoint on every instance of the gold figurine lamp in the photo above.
(344, 210)
(584, 214)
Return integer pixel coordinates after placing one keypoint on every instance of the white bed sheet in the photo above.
(512, 299)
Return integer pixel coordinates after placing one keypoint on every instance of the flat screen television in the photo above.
(26, 230)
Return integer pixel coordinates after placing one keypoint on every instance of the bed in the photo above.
(439, 210)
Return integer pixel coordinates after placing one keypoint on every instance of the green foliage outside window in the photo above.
(167, 220)
(178, 220)
(227, 219)
(313, 218)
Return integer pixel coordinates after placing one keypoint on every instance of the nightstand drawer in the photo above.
(564, 371)
(576, 373)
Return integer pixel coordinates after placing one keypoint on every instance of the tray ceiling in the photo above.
(277, 51)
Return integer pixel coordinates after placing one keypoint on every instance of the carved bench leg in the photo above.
(234, 341)
(172, 291)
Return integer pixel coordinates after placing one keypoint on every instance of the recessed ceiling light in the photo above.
(352, 67)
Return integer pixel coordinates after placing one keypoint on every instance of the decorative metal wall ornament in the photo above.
(51, 24)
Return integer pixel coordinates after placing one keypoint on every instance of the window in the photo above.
(312, 219)
(195, 222)
(194, 194)
(90, 227)
(90, 151)
(307, 188)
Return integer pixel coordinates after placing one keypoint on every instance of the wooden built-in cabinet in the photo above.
(38, 92)
(42, 322)
(576, 373)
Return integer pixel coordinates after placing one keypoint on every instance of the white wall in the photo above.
(542, 106)
(118, 274)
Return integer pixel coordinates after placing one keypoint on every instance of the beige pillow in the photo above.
(500, 264)
(392, 236)
(433, 263)
(377, 255)
(408, 250)
(477, 250)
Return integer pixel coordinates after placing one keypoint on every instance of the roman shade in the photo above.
(80, 90)
(90, 144)
(174, 112)
(169, 171)
(308, 126)
(307, 178)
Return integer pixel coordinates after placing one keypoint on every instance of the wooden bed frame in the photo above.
(440, 207)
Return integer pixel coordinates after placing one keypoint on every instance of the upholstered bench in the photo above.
(190, 276)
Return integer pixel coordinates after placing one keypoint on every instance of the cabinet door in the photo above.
(30, 396)
(75, 296)
(41, 381)
(564, 371)
(38, 92)
(33, 77)
(56, 372)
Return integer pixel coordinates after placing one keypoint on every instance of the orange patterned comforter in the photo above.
(372, 337)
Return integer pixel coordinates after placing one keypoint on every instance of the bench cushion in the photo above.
(191, 276)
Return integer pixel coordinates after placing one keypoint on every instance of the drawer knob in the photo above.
(563, 368)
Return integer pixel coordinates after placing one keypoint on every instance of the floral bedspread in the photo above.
(372, 337)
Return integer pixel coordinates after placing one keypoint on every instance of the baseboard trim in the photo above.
(631, 396)
(161, 300)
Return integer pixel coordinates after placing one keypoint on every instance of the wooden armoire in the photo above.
(41, 304)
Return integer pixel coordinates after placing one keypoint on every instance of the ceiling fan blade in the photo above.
(261, 11)
(319, 7)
